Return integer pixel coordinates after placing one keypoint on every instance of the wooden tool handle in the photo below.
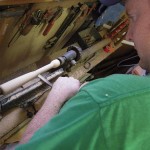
(12, 85)
(48, 28)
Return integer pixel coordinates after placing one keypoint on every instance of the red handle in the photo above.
(48, 28)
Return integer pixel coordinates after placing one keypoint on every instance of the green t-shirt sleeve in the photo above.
(76, 127)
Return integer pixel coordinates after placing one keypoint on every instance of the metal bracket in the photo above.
(45, 80)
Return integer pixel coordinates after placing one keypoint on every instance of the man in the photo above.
(107, 114)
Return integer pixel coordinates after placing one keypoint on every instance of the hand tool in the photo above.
(45, 80)
(92, 8)
(26, 17)
(51, 22)
(71, 28)
(30, 19)
(28, 9)
(72, 14)
(118, 29)
(45, 17)
(74, 26)
(34, 19)
(69, 16)
(59, 40)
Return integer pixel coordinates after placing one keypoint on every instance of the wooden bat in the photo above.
(17, 82)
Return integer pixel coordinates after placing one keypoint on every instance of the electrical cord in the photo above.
(119, 65)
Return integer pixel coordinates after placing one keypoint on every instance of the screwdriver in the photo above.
(56, 15)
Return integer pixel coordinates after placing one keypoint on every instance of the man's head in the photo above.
(139, 28)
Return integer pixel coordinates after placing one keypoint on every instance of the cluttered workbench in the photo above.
(41, 40)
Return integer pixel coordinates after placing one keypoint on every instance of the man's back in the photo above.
(110, 113)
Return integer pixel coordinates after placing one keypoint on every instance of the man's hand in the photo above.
(66, 87)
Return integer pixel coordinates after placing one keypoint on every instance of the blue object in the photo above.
(112, 13)
(109, 2)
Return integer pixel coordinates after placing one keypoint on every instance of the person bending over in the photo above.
(111, 113)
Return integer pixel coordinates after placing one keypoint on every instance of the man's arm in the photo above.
(63, 89)
(76, 126)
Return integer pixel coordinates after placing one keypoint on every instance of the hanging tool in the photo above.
(45, 17)
(118, 28)
(74, 20)
(31, 19)
(35, 19)
(21, 27)
(28, 9)
(74, 12)
(51, 22)
(80, 18)
(51, 42)
(72, 27)
(69, 16)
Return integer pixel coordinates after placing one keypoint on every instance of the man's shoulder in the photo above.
(109, 89)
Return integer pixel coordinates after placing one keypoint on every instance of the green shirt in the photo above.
(111, 113)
